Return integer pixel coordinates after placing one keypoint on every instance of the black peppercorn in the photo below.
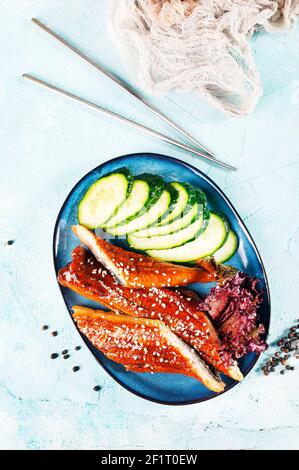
(45, 327)
(66, 356)
(10, 242)
(282, 371)
(77, 348)
(76, 368)
(54, 333)
(64, 352)
(97, 388)
(54, 356)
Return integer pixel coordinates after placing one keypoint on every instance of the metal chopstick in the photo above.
(122, 85)
(124, 120)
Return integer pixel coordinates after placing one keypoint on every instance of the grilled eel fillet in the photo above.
(140, 271)
(143, 345)
(90, 279)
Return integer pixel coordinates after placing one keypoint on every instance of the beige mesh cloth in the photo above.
(197, 44)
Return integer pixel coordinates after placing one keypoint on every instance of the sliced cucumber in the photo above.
(103, 198)
(144, 188)
(134, 203)
(174, 198)
(228, 249)
(150, 216)
(198, 208)
(212, 238)
(181, 203)
(167, 241)
(175, 226)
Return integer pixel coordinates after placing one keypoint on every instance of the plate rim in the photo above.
(245, 229)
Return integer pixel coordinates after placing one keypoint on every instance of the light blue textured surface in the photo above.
(47, 144)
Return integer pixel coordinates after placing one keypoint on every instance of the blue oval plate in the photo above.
(162, 388)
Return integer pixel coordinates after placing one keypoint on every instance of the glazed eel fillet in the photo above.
(140, 271)
(89, 278)
(143, 345)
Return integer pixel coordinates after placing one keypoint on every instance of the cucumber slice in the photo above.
(175, 226)
(103, 198)
(150, 216)
(136, 201)
(212, 238)
(197, 208)
(167, 241)
(145, 191)
(181, 202)
(174, 198)
(228, 249)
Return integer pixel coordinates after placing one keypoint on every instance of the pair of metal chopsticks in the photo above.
(207, 154)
